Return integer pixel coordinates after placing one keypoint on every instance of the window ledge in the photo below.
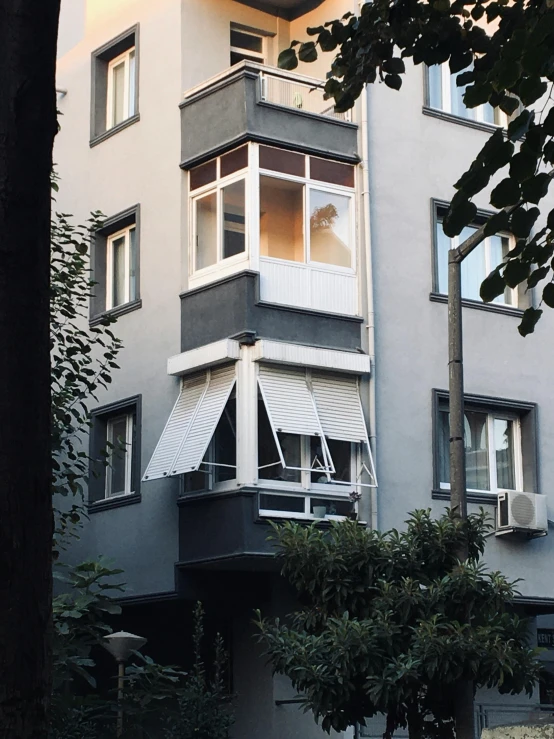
(507, 310)
(116, 312)
(115, 129)
(118, 502)
(444, 116)
(480, 498)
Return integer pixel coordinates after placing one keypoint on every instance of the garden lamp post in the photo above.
(121, 645)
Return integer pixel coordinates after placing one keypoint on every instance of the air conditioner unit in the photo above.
(521, 513)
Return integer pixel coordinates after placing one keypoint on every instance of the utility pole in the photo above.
(464, 715)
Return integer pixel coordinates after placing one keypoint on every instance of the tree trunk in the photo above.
(28, 37)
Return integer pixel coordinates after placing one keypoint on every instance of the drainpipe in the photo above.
(366, 206)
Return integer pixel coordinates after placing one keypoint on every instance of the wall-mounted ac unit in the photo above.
(521, 513)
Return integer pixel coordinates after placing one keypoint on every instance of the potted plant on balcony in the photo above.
(354, 496)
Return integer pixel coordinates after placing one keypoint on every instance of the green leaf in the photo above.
(550, 220)
(520, 125)
(548, 295)
(508, 73)
(477, 94)
(497, 222)
(307, 52)
(522, 222)
(523, 165)
(516, 272)
(326, 41)
(537, 275)
(287, 59)
(394, 66)
(509, 104)
(465, 78)
(458, 217)
(548, 152)
(548, 123)
(531, 89)
(315, 30)
(529, 321)
(535, 189)
(507, 192)
(393, 81)
(492, 286)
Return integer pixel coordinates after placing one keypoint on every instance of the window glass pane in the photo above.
(234, 240)
(488, 113)
(269, 465)
(233, 161)
(341, 507)
(330, 229)
(334, 172)
(476, 448)
(281, 219)
(473, 267)
(499, 246)
(118, 92)
(132, 78)
(225, 443)
(504, 449)
(457, 104)
(434, 77)
(279, 160)
(288, 503)
(247, 41)
(118, 271)
(443, 246)
(117, 435)
(203, 175)
(132, 264)
(196, 482)
(341, 454)
(443, 450)
(206, 231)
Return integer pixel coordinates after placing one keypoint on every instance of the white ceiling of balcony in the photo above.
(288, 9)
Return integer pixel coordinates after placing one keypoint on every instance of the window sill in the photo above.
(444, 116)
(506, 310)
(115, 129)
(117, 502)
(121, 310)
(480, 498)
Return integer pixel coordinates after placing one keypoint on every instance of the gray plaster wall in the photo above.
(414, 158)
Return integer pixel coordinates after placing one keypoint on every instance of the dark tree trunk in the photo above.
(28, 37)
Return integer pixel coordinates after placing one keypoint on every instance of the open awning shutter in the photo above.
(288, 401)
(208, 413)
(176, 428)
(339, 407)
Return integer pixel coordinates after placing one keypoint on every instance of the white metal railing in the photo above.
(292, 93)
(487, 716)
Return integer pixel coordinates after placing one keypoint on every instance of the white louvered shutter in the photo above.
(176, 428)
(339, 407)
(288, 401)
(207, 416)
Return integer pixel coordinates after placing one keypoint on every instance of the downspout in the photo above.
(366, 206)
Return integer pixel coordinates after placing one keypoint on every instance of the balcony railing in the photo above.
(487, 716)
(293, 92)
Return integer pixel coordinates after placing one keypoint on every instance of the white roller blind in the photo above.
(339, 407)
(208, 413)
(176, 428)
(288, 400)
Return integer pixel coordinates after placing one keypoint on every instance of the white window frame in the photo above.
(500, 118)
(126, 233)
(308, 186)
(261, 57)
(129, 421)
(129, 95)
(218, 186)
(518, 453)
(455, 242)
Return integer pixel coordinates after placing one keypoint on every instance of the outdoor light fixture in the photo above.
(121, 645)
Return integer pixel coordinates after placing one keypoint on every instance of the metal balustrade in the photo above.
(293, 93)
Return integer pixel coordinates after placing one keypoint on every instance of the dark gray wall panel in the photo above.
(232, 306)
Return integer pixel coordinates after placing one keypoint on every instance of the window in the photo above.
(115, 265)
(219, 209)
(302, 220)
(482, 260)
(499, 439)
(115, 85)
(443, 94)
(121, 268)
(115, 450)
(121, 100)
(247, 45)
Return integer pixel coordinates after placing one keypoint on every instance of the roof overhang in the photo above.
(288, 9)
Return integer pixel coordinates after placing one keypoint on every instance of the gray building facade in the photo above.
(277, 270)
